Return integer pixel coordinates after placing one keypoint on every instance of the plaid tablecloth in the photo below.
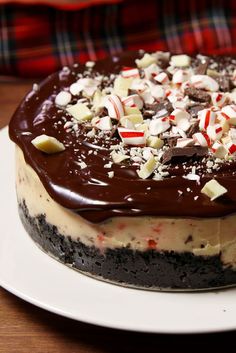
(36, 40)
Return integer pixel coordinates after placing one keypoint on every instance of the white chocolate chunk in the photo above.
(80, 112)
(63, 98)
(130, 120)
(118, 157)
(147, 169)
(48, 144)
(155, 142)
(146, 61)
(132, 110)
(181, 60)
(121, 86)
(98, 100)
(213, 189)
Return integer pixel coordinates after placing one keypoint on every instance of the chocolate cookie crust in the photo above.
(143, 269)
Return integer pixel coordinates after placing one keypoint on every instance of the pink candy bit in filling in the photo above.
(152, 244)
(121, 226)
(101, 237)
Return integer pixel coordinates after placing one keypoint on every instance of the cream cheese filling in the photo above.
(208, 236)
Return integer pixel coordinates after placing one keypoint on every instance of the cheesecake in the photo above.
(125, 169)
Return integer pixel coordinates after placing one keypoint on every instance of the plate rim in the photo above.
(98, 321)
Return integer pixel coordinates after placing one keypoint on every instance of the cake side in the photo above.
(145, 252)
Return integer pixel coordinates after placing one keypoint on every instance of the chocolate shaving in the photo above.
(201, 69)
(181, 154)
(197, 95)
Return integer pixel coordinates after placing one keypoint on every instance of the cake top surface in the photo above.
(137, 134)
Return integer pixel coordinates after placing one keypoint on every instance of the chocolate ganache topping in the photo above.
(149, 132)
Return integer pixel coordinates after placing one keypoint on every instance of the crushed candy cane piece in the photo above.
(180, 118)
(219, 150)
(104, 123)
(132, 101)
(215, 132)
(204, 82)
(206, 118)
(132, 137)
(128, 72)
(202, 139)
(157, 126)
(114, 106)
(146, 61)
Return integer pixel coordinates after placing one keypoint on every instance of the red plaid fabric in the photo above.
(36, 40)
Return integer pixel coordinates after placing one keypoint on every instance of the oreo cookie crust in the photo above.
(148, 269)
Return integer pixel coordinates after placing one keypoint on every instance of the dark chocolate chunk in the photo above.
(156, 107)
(175, 154)
(224, 83)
(197, 95)
(163, 59)
(194, 109)
(201, 69)
(193, 129)
(172, 141)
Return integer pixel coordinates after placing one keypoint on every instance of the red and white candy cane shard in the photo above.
(215, 132)
(151, 71)
(202, 139)
(128, 72)
(132, 137)
(104, 123)
(184, 142)
(179, 77)
(180, 118)
(229, 113)
(204, 82)
(219, 150)
(206, 118)
(114, 107)
(218, 99)
(162, 78)
(157, 126)
(133, 101)
(231, 147)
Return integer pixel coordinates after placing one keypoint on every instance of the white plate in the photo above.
(32, 275)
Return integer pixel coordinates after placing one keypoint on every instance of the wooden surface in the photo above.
(25, 328)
